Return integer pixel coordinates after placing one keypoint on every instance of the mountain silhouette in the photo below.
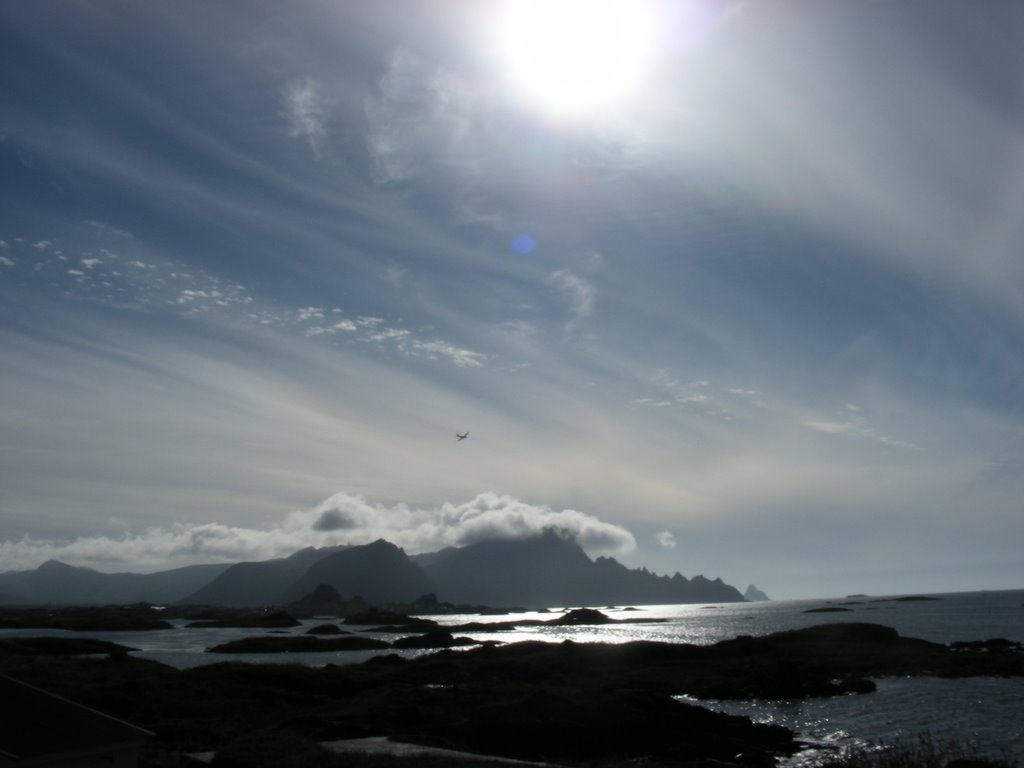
(61, 584)
(753, 594)
(249, 584)
(547, 570)
(379, 573)
(553, 570)
(541, 571)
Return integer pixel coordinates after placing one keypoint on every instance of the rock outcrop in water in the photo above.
(324, 600)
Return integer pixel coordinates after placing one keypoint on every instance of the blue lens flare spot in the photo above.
(523, 244)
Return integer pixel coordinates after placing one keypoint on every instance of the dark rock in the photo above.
(326, 629)
(298, 644)
(110, 618)
(582, 616)
(387, 659)
(558, 724)
(59, 646)
(428, 603)
(325, 601)
(433, 640)
(385, 621)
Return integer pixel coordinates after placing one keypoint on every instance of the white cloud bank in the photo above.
(341, 519)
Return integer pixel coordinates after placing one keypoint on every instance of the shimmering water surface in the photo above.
(985, 711)
(982, 714)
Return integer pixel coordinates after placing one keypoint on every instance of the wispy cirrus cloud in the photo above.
(858, 428)
(134, 278)
(374, 330)
(694, 395)
(421, 116)
(578, 293)
(305, 111)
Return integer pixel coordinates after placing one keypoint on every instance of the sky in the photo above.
(724, 288)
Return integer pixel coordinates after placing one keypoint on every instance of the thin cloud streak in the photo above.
(306, 112)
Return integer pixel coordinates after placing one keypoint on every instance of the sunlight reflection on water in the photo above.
(982, 713)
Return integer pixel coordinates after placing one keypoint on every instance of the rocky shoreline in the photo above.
(566, 703)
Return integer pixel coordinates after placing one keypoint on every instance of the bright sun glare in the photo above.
(575, 56)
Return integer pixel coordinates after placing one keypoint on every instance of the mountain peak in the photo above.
(57, 567)
(546, 569)
(753, 594)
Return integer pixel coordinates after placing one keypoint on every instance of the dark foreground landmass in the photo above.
(570, 704)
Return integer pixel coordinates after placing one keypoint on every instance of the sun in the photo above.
(573, 57)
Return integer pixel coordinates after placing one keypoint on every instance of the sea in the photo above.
(984, 716)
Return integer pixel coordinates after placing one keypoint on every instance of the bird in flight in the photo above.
(463, 436)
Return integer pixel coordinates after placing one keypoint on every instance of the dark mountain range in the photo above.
(553, 570)
(544, 571)
(624, 585)
(257, 583)
(379, 573)
(61, 584)
(548, 570)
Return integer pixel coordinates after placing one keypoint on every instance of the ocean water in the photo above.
(982, 715)
(986, 712)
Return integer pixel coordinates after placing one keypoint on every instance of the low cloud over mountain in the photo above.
(341, 519)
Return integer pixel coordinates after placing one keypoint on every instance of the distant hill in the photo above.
(60, 584)
(639, 585)
(548, 570)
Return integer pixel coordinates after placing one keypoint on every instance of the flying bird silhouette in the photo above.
(462, 436)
